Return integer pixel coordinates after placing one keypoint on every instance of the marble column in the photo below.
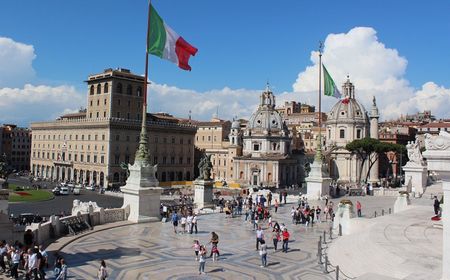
(438, 159)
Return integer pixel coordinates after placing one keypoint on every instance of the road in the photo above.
(59, 203)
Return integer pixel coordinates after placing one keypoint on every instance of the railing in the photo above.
(322, 257)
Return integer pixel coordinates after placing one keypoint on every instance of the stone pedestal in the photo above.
(438, 159)
(344, 213)
(6, 226)
(402, 202)
(416, 175)
(203, 193)
(141, 194)
(318, 182)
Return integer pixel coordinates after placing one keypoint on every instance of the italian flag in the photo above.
(167, 44)
(329, 85)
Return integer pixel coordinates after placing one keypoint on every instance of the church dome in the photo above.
(348, 110)
(266, 118)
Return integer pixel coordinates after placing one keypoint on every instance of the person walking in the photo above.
(275, 238)
(194, 223)
(102, 274)
(175, 221)
(285, 235)
(189, 219)
(436, 205)
(202, 260)
(196, 247)
(214, 241)
(183, 223)
(318, 211)
(63, 274)
(15, 260)
(259, 237)
(358, 208)
(263, 253)
(276, 205)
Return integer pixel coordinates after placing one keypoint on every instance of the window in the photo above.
(155, 160)
(95, 159)
(117, 137)
(102, 159)
(105, 88)
(91, 92)
(104, 101)
(129, 90)
(180, 160)
(81, 158)
(164, 160)
(119, 88)
(116, 159)
(75, 157)
(173, 140)
(358, 133)
(99, 88)
(189, 160)
(118, 102)
(342, 133)
(91, 103)
(209, 138)
(256, 147)
(172, 160)
(98, 102)
(88, 158)
(118, 114)
(103, 136)
(98, 115)
(139, 92)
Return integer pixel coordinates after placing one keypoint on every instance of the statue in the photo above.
(205, 167)
(414, 154)
(124, 166)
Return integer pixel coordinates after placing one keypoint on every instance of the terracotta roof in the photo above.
(435, 124)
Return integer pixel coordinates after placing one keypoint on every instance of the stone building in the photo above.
(89, 146)
(266, 148)
(348, 120)
(15, 143)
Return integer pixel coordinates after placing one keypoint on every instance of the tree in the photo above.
(368, 149)
(5, 169)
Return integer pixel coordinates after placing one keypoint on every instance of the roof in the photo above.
(435, 124)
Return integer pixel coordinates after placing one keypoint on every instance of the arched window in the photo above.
(106, 88)
(139, 91)
(92, 90)
(119, 88)
(99, 88)
(129, 90)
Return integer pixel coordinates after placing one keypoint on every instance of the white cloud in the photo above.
(177, 101)
(374, 69)
(15, 63)
(37, 103)
(20, 101)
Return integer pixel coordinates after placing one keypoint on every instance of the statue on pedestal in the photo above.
(205, 167)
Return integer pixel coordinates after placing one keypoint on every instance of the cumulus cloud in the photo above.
(229, 102)
(15, 63)
(22, 102)
(37, 103)
(375, 70)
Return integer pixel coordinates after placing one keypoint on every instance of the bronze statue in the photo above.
(205, 167)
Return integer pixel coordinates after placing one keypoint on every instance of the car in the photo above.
(64, 191)
(91, 188)
(56, 191)
(77, 190)
(28, 218)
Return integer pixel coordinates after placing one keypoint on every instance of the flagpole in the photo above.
(318, 156)
(142, 152)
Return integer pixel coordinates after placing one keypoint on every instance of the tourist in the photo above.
(285, 235)
(196, 247)
(318, 210)
(275, 238)
(15, 261)
(102, 274)
(215, 253)
(175, 221)
(3, 252)
(202, 261)
(183, 223)
(263, 253)
(214, 241)
(44, 261)
(312, 213)
(259, 237)
(285, 196)
(194, 223)
(436, 206)
(276, 205)
(269, 199)
(358, 208)
(63, 274)
(189, 219)
(32, 264)
(293, 216)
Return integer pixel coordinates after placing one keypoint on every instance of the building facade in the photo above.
(90, 146)
(15, 143)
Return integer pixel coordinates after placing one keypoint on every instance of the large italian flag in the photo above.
(167, 44)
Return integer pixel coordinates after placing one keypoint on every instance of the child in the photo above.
(202, 261)
(196, 248)
(215, 253)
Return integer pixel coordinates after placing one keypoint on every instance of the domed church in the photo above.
(348, 120)
(266, 153)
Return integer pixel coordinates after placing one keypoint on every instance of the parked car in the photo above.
(77, 190)
(91, 188)
(64, 191)
(56, 191)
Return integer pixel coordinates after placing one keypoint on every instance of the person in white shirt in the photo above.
(189, 223)
(15, 260)
(194, 223)
(33, 263)
(183, 223)
(259, 237)
(263, 253)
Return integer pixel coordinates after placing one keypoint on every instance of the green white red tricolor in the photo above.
(167, 44)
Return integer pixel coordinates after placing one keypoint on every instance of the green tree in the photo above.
(5, 169)
(368, 150)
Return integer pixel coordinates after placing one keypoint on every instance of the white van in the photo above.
(64, 191)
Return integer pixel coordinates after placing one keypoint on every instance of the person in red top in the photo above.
(285, 235)
(358, 208)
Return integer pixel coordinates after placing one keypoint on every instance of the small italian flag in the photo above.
(167, 44)
(329, 85)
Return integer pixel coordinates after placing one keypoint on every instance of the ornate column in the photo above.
(438, 159)
(374, 171)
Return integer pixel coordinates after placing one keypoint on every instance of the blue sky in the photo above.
(242, 44)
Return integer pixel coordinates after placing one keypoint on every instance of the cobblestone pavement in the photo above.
(154, 251)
